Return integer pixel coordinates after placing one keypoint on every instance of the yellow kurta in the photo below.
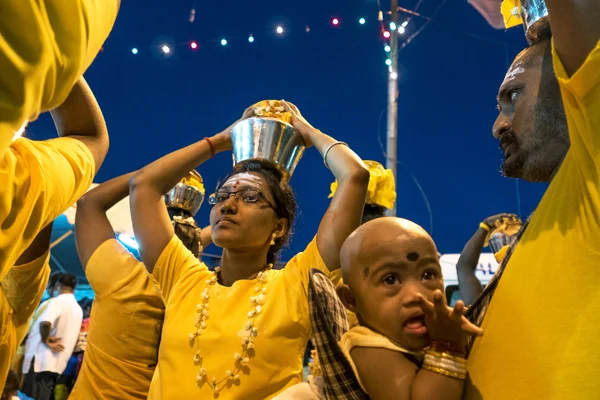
(22, 290)
(283, 326)
(44, 48)
(542, 326)
(125, 327)
(39, 181)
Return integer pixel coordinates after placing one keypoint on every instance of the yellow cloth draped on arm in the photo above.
(45, 46)
(125, 327)
(382, 185)
(283, 327)
(39, 181)
(542, 325)
(22, 290)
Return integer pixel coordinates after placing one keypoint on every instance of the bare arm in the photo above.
(92, 227)
(575, 28)
(345, 211)
(205, 236)
(80, 117)
(468, 284)
(37, 248)
(151, 222)
(389, 375)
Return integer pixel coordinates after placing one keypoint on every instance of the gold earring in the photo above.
(273, 236)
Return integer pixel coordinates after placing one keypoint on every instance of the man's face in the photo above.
(531, 126)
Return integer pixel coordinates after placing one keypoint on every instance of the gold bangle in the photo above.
(485, 227)
(444, 372)
(448, 365)
(447, 356)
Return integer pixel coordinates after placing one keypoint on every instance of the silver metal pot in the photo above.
(499, 240)
(185, 197)
(268, 139)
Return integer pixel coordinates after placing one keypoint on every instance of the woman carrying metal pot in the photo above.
(240, 332)
(128, 310)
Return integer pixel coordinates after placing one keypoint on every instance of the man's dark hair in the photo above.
(68, 280)
(54, 279)
(285, 200)
(372, 211)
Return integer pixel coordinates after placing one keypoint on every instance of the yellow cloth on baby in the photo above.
(382, 185)
(39, 181)
(283, 327)
(125, 327)
(22, 290)
(360, 336)
(541, 327)
(45, 46)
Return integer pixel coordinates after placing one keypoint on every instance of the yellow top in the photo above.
(360, 336)
(541, 328)
(125, 326)
(22, 290)
(283, 326)
(39, 181)
(41, 64)
(382, 185)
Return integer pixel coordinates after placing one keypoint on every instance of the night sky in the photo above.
(449, 77)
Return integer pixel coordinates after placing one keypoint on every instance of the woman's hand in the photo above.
(222, 140)
(300, 124)
(446, 323)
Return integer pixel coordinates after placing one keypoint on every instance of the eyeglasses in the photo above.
(246, 195)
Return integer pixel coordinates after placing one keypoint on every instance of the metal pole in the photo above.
(392, 114)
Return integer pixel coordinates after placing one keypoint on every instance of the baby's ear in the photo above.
(348, 299)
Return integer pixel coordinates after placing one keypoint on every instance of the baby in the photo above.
(409, 344)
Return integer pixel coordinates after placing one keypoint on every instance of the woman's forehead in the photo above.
(245, 179)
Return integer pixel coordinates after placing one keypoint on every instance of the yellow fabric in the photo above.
(360, 336)
(272, 109)
(542, 326)
(39, 181)
(194, 179)
(283, 326)
(22, 290)
(382, 185)
(507, 226)
(45, 47)
(125, 326)
(499, 256)
(511, 12)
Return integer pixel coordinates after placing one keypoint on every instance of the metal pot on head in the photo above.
(527, 12)
(188, 194)
(268, 139)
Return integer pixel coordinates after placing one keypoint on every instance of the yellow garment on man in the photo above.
(283, 327)
(45, 47)
(39, 181)
(125, 327)
(22, 290)
(542, 326)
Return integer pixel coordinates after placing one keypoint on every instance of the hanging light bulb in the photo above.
(223, 42)
(134, 50)
(388, 62)
(393, 26)
(387, 34)
(401, 30)
(387, 48)
(251, 38)
(362, 21)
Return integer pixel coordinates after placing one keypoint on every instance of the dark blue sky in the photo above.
(337, 77)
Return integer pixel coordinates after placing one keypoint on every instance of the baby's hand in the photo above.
(445, 323)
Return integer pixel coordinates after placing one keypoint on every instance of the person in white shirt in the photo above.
(50, 346)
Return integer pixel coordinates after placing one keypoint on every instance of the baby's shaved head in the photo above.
(375, 239)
